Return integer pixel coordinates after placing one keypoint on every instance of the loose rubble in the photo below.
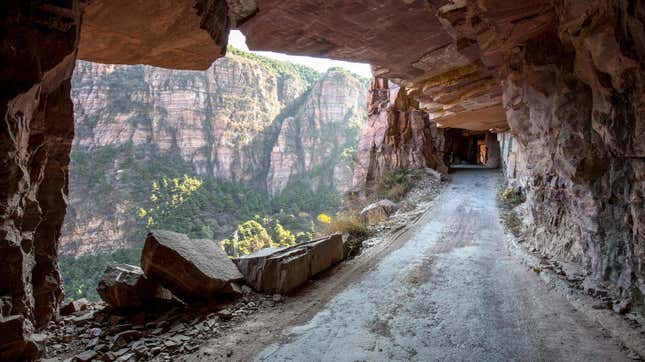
(413, 205)
(156, 334)
(377, 212)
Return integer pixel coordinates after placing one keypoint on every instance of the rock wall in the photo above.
(35, 138)
(577, 113)
(396, 134)
(493, 151)
(512, 160)
(239, 121)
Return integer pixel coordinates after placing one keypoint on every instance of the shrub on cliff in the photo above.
(393, 185)
(248, 238)
(347, 223)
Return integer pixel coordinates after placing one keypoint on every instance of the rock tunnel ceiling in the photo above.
(447, 54)
(566, 76)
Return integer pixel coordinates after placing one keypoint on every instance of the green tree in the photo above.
(302, 236)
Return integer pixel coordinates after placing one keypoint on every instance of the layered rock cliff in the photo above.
(246, 119)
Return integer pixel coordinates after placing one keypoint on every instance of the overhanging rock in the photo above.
(280, 270)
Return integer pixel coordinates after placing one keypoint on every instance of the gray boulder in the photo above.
(190, 268)
(280, 270)
(378, 212)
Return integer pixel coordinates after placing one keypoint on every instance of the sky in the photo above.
(237, 39)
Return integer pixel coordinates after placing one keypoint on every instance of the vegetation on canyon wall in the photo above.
(132, 169)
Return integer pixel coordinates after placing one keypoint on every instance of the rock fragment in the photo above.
(377, 212)
(85, 356)
(125, 286)
(73, 306)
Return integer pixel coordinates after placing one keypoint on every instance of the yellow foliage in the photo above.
(141, 213)
(324, 218)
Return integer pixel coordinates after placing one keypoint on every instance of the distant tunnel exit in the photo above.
(466, 147)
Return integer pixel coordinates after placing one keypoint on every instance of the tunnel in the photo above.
(561, 83)
(468, 148)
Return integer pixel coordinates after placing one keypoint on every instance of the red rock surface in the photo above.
(445, 52)
(396, 134)
(578, 116)
(113, 32)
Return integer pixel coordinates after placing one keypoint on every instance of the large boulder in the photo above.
(280, 270)
(377, 212)
(190, 268)
(125, 286)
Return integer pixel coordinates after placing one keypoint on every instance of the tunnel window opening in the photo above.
(470, 149)
(253, 152)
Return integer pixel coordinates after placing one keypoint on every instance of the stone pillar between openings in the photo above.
(397, 134)
(492, 150)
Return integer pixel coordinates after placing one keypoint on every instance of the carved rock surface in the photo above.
(445, 52)
(113, 32)
(16, 342)
(125, 286)
(377, 212)
(189, 268)
(38, 48)
(577, 114)
(281, 270)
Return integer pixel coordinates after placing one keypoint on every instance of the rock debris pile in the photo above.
(161, 333)
(186, 292)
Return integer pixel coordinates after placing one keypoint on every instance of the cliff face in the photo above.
(243, 120)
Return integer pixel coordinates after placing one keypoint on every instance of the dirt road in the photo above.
(451, 292)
